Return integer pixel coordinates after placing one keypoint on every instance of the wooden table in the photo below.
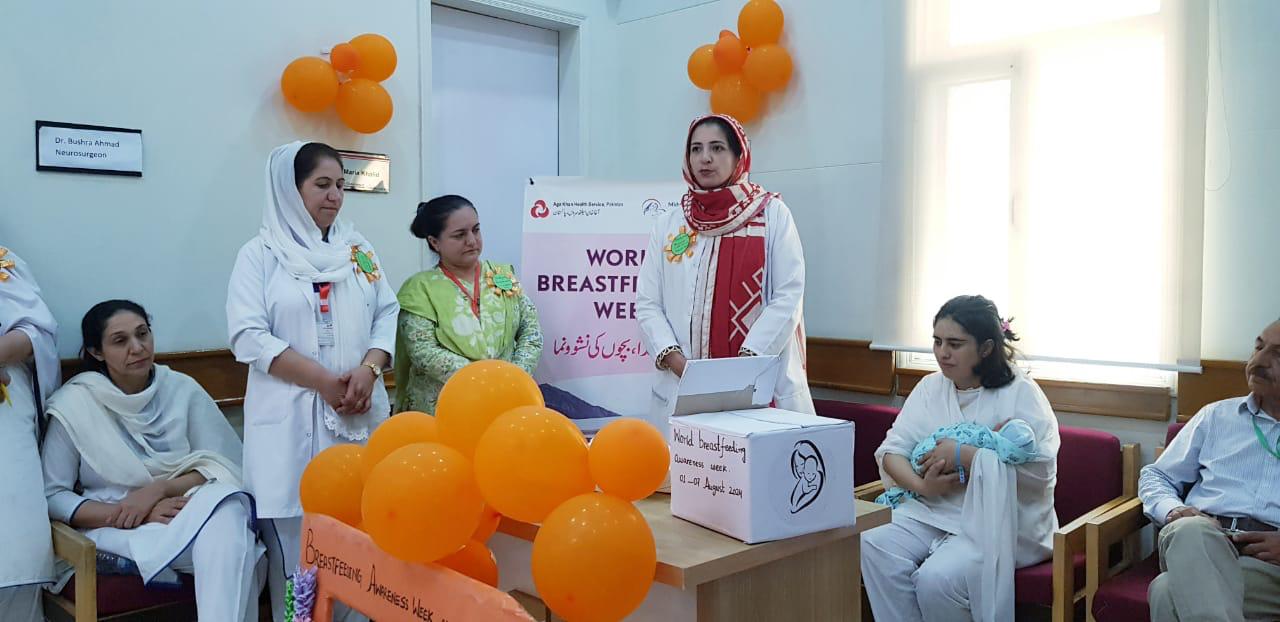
(706, 576)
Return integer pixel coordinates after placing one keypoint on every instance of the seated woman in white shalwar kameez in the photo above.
(972, 518)
(157, 466)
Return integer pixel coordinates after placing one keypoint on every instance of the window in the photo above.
(1051, 158)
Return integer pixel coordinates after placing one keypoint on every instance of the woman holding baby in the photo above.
(969, 512)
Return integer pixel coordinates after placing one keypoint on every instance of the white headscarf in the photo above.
(293, 236)
(21, 308)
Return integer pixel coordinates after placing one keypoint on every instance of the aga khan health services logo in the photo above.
(539, 209)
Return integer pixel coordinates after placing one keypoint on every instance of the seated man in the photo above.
(1220, 548)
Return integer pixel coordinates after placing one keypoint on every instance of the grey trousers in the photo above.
(1204, 578)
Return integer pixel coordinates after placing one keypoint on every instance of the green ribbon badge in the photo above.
(365, 263)
(680, 244)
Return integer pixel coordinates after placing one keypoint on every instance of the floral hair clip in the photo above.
(1006, 328)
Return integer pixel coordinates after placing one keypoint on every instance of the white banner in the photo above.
(584, 240)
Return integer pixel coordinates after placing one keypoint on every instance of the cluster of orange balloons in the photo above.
(349, 81)
(740, 69)
(434, 489)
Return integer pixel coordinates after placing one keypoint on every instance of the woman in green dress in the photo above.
(462, 310)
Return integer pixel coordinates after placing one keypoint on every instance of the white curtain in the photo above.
(1050, 156)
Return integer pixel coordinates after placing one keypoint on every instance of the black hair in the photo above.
(431, 216)
(980, 318)
(95, 322)
(309, 157)
(730, 135)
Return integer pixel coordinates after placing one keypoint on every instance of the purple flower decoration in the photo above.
(304, 594)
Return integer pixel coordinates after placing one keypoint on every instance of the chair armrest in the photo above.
(869, 491)
(73, 546)
(1073, 533)
(1068, 540)
(1103, 531)
(82, 554)
(1117, 523)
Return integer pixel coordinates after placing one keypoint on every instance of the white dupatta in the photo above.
(1006, 511)
(292, 236)
(173, 424)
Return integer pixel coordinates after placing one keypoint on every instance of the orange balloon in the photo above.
(421, 502)
(344, 57)
(734, 97)
(768, 68)
(531, 460)
(401, 429)
(363, 105)
(476, 395)
(377, 57)
(475, 561)
(309, 84)
(760, 23)
(489, 520)
(332, 485)
(703, 71)
(629, 459)
(594, 558)
(729, 53)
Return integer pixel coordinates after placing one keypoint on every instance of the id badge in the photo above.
(324, 321)
(324, 331)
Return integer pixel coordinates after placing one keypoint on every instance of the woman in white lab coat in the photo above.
(724, 276)
(27, 353)
(309, 310)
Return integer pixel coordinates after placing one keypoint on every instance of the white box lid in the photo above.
(715, 385)
(756, 421)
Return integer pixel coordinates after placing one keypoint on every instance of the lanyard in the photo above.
(473, 297)
(1263, 439)
(324, 290)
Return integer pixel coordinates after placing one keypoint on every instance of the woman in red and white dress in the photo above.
(723, 276)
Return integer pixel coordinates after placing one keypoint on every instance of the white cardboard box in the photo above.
(750, 471)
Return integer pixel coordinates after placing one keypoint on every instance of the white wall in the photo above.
(1242, 206)
(201, 80)
(494, 118)
(819, 143)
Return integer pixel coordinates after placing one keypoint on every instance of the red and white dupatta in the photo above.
(729, 293)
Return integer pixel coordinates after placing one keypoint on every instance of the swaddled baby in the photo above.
(1015, 443)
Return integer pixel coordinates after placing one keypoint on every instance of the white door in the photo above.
(494, 118)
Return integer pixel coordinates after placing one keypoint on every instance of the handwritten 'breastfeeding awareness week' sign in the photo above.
(583, 244)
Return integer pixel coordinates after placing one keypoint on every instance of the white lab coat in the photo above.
(664, 307)
(26, 550)
(269, 310)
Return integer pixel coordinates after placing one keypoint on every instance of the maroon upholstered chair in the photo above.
(870, 425)
(118, 598)
(1119, 592)
(1095, 474)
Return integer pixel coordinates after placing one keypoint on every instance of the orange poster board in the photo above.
(352, 569)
